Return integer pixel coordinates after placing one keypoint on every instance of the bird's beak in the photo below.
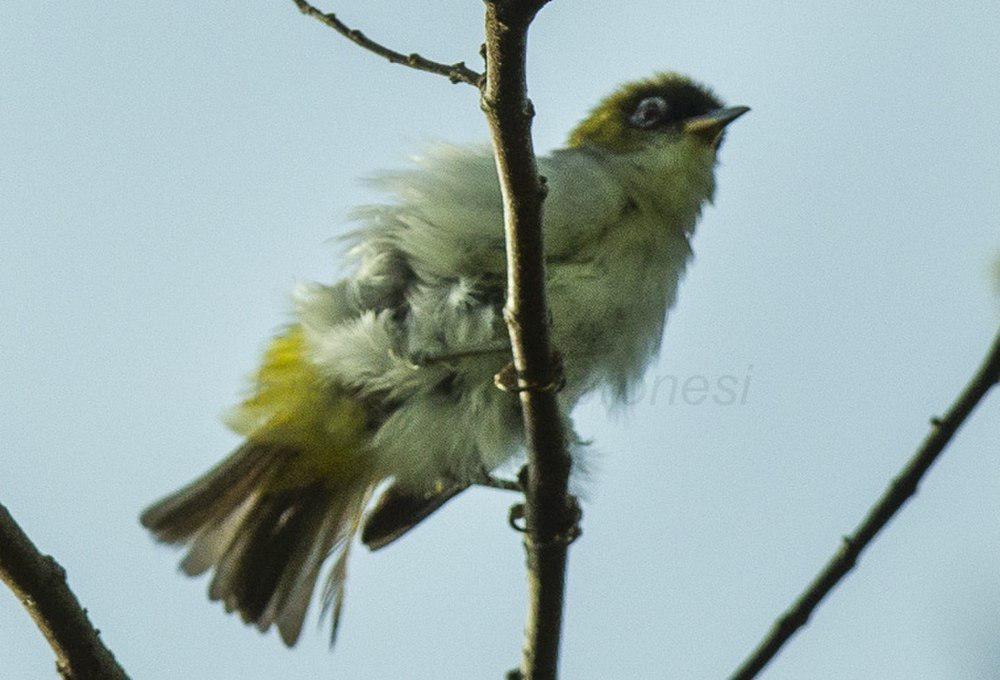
(709, 127)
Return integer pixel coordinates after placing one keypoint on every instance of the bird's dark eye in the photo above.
(650, 112)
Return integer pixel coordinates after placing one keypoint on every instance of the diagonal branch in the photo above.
(456, 73)
(550, 513)
(902, 488)
(40, 584)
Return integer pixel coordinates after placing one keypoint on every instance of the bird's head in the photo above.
(667, 109)
(661, 136)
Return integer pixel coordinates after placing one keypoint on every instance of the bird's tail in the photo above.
(267, 518)
(267, 546)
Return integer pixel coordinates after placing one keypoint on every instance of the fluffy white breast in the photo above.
(611, 299)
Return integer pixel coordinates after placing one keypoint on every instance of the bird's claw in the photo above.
(510, 380)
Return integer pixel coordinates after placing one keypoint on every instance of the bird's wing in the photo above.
(444, 232)
(447, 216)
(584, 201)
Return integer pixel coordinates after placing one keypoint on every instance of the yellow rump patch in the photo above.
(293, 407)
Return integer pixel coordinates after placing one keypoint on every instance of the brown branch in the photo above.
(902, 488)
(40, 583)
(551, 514)
(456, 73)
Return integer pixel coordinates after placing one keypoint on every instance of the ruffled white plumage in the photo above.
(616, 235)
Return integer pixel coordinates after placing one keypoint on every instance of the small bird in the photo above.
(385, 380)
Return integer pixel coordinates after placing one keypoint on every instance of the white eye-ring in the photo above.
(649, 112)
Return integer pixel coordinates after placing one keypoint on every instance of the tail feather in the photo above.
(333, 590)
(295, 590)
(267, 518)
(211, 543)
(333, 593)
(271, 536)
(212, 498)
(267, 543)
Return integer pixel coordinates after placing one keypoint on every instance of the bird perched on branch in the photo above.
(386, 379)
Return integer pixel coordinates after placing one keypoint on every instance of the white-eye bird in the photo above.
(385, 379)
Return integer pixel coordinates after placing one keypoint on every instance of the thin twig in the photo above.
(902, 488)
(456, 73)
(551, 514)
(40, 584)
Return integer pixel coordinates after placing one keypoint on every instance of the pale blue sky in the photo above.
(168, 172)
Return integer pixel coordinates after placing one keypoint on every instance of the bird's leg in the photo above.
(485, 478)
(418, 360)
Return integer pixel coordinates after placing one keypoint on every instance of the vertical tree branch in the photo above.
(40, 583)
(550, 513)
(902, 488)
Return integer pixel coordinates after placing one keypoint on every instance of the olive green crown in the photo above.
(607, 124)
